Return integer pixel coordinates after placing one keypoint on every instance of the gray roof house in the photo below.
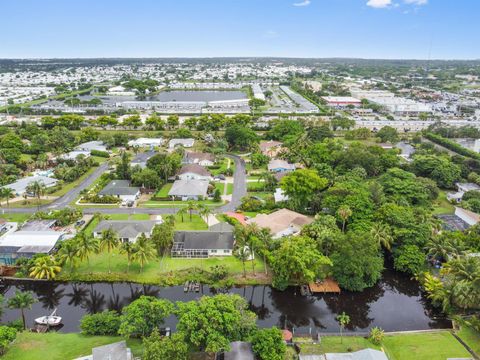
(204, 159)
(115, 351)
(141, 159)
(92, 145)
(183, 142)
(127, 230)
(120, 189)
(19, 187)
(189, 189)
(193, 172)
(365, 354)
(218, 240)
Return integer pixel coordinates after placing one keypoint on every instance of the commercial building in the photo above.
(340, 102)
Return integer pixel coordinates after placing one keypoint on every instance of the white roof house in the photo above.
(72, 155)
(468, 216)
(25, 243)
(20, 186)
(146, 142)
(183, 142)
(189, 189)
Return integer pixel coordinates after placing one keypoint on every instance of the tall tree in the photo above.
(144, 250)
(343, 319)
(109, 241)
(22, 301)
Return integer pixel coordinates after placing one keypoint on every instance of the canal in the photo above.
(396, 303)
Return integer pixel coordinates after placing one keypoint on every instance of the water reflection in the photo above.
(395, 303)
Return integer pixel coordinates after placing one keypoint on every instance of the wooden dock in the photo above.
(326, 286)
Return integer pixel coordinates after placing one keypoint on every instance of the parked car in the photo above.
(220, 177)
(80, 222)
(130, 203)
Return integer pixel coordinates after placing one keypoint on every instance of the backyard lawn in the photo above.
(163, 192)
(15, 217)
(424, 346)
(419, 346)
(442, 205)
(159, 271)
(57, 346)
(470, 337)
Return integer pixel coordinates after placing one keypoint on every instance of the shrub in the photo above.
(376, 335)
(268, 344)
(7, 335)
(104, 323)
(218, 272)
(99, 153)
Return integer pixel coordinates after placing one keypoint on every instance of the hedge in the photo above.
(99, 153)
(451, 145)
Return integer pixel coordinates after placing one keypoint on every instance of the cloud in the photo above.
(270, 34)
(380, 4)
(416, 2)
(303, 3)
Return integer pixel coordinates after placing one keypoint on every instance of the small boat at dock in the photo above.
(49, 320)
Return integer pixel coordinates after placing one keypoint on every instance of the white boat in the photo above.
(50, 320)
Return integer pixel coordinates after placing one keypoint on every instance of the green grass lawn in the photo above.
(196, 223)
(57, 346)
(424, 346)
(30, 203)
(163, 192)
(220, 186)
(177, 203)
(255, 185)
(15, 217)
(470, 337)
(442, 205)
(229, 189)
(262, 195)
(158, 271)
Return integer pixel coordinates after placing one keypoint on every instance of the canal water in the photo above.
(396, 303)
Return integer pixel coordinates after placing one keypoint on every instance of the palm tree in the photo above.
(264, 237)
(7, 194)
(86, 246)
(45, 267)
(204, 212)
(343, 319)
(22, 301)
(344, 212)
(144, 250)
(191, 206)
(109, 241)
(243, 254)
(268, 180)
(382, 235)
(440, 247)
(68, 253)
(129, 249)
(38, 189)
(182, 212)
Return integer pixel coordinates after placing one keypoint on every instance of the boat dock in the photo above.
(326, 286)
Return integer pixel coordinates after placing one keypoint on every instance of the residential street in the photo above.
(239, 190)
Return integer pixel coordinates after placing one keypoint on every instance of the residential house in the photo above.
(127, 230)
(467, 216)
(20, 186)
(239, 350)
(270, 148)
(203, 159)
(146, 142)
(365, 354)
(282, 222)
(462, 188)
(121, 189)
(27, 242)
(194, 172)
(188, 143)
(72, 155)
(92, 145)
(141, 159)
(277, 165)
(115, 351)
(218, 240)
(189, 189)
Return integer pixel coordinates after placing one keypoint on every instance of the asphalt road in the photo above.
(239, 191)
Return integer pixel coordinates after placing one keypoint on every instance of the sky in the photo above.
(382, 29)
